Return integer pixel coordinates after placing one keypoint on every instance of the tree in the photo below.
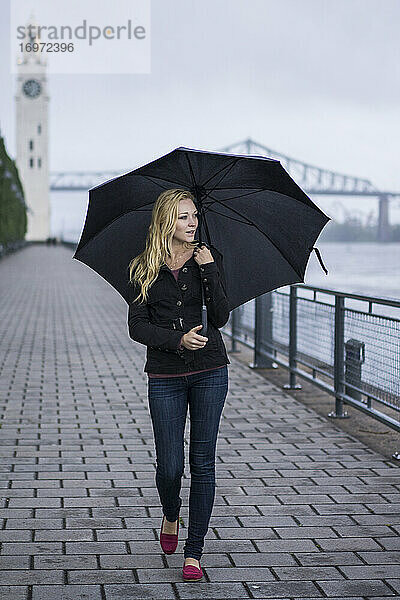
(13, 213)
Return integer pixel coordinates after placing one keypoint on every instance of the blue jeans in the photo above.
(169, 398)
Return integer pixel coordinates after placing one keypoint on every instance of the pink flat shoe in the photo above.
(192, 573)
(169, 541)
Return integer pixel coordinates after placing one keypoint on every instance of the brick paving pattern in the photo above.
(302, 510)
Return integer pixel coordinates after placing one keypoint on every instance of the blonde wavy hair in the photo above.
(144, 268)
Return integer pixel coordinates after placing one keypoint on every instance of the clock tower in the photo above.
(32, 139)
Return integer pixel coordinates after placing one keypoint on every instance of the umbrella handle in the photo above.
(203, 331)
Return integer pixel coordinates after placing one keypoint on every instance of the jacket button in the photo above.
(208, 298)
(205, 279)
(184, 269)
(201, 268)
(184, 287)
(178, 302)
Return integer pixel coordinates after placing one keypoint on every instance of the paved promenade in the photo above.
(302, 510)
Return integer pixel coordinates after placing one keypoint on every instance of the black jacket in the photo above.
(172, 309)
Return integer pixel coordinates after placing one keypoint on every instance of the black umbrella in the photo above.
(250, 210)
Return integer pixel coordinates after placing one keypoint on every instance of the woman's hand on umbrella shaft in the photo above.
(202, 255)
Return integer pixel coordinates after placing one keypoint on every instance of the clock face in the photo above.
(32, 88)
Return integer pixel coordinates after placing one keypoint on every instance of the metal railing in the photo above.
(11, 247)
(346, 344)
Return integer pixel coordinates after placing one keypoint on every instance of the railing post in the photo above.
(235, 318)
(292, 385)
(339, 413)
(262, 332)
(354, 358)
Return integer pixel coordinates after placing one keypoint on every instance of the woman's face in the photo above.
(186, 224)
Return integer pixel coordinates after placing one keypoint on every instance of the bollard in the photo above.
(354, 358)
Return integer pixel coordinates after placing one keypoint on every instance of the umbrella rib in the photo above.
(241, 188)
(226, 167)
(215, 174)
(194, 184)
(225, 174)
(208, 192)
(232, 164)
(255, 191)
(266, 190)
(151, 177)
(251, 224)
(230, 217)
(191, 170)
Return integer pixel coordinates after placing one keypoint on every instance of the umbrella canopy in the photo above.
(251, 211)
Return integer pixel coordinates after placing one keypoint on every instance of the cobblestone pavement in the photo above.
(302, 510)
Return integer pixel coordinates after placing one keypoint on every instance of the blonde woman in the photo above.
(186, 370)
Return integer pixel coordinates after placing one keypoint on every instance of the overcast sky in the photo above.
(318, 80)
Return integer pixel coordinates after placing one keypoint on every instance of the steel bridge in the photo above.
(312, 179)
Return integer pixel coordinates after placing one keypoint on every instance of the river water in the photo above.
(360, 268)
